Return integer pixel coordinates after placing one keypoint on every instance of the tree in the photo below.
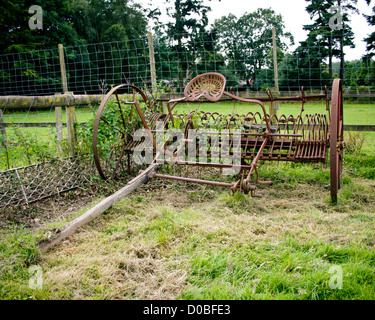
(189, 17)
(304, 68)
(16, 34)
(69, 22)
(112, 20)
(331, 41)
(357, 73)
(370, 40)
(73, 23)
(247, 41)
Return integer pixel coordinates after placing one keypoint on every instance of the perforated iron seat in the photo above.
(208, 85)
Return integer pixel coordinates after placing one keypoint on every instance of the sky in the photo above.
(294, 16)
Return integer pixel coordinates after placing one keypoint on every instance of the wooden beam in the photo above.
(355, 127)
(46, 102)
(99, 208)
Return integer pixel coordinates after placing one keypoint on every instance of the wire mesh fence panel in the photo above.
(32, 183)
(95, 68)
(247, 65)
(30, 73)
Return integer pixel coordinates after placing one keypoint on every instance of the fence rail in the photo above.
(47, 102)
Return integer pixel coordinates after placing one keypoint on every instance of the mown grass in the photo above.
(184, 241)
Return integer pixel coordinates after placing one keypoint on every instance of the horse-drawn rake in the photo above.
(249, 138)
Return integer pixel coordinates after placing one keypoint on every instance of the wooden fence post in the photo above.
(59, 129)
(165, 107)
(2, 128)
(70, 110)
(63, 69)
(152, 61)
(71, 119)
(274, 106)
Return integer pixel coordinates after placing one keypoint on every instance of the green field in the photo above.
(354, 113)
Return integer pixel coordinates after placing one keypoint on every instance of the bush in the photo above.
(354, 142)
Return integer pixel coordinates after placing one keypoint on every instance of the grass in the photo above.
(184, 241)
(82, 113)
(354, 113)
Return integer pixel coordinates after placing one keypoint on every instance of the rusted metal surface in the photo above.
(336, 139)
(259, 136)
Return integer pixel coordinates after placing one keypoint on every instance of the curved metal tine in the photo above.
(320, 136)
(260, 120)
(280, 120)
(261, 181)
(296, 127)
(313, 135)
(276, 119)
(132, 107)
(309, 133)
(248, 120)
(290, 119)
(211, 119)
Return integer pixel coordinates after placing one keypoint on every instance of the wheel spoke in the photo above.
(118, 161)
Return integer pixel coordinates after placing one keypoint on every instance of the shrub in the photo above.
(354, 142)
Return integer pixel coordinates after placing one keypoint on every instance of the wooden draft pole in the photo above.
(101, 207)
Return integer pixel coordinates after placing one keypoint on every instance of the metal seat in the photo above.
(208, 85)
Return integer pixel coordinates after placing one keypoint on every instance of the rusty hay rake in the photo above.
(253, 136)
